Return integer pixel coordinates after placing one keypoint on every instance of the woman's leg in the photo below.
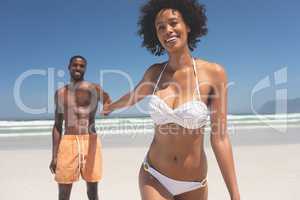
(199, 194)
(151, 189)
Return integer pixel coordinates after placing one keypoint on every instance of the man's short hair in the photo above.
(77, 56)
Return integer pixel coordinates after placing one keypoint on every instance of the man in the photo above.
(78, 151)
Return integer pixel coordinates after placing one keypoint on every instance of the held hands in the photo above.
(107, 109)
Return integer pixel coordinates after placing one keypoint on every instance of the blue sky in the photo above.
(251, 39)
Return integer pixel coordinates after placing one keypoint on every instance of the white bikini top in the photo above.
(192, 114)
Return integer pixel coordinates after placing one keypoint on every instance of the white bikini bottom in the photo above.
(175, 187)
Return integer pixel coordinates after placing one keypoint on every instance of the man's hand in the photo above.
(107, 109)
(52, 165)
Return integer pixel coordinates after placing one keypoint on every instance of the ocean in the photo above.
(144, 125)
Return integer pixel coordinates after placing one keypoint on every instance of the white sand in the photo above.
(264, 172)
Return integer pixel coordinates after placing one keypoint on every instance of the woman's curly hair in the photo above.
(193, 14)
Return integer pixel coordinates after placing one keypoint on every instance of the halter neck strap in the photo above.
(159, 77)
(197, 84)
(162, 71)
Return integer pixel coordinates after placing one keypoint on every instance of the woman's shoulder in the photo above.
(212, 69)
(153, 71)
(156, 67)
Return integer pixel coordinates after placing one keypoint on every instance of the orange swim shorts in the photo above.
(79, 154)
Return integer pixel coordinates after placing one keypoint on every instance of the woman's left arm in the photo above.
(220, 140)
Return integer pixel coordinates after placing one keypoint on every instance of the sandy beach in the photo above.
(267, 165)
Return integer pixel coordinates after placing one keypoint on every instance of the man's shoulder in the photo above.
(61, 90)
(92, 85)
(86, 85)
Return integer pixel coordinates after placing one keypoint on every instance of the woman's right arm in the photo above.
(143, 88)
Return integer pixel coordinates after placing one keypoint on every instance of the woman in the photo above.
(181, 90)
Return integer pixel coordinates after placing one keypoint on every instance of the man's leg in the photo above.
(92, 190)
(64, 191)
